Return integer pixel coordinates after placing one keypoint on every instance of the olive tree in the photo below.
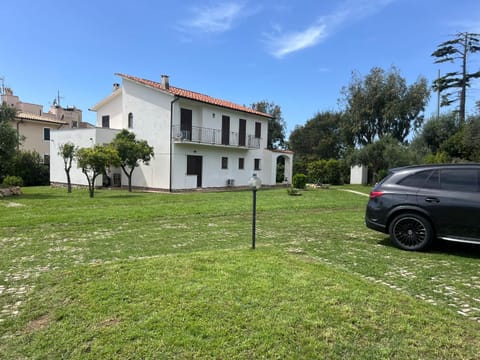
(131, 153)
(96, 161)
(67, 152)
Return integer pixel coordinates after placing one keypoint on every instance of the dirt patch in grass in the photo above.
(39, 323)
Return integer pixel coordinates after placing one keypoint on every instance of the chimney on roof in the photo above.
(116, 86)
(165, 82)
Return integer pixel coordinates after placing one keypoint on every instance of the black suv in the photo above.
(417, 204)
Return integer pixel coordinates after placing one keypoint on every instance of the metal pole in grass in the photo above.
(255, 183)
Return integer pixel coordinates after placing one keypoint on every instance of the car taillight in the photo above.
(376, 194)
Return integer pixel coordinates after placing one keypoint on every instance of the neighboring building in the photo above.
(199, 141)
(34, 126)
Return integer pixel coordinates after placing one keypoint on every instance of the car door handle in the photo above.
(432, 200)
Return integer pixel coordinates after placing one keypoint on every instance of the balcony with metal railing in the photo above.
(213, 137)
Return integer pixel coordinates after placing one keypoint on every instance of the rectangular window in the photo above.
(46, 159)
(224, 162)
(74, 124)
(242, 132)
(46, 134)
(256, 165)
(241, 163)
(225, 130)
(106, 121)
(258, 130)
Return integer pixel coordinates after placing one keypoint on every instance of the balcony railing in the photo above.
(201, 135)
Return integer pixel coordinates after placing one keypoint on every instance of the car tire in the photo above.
(411, 231)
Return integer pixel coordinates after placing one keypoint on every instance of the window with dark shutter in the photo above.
(258, 130)
(225, 130)
(46, 134)
(256, 165)
(105, 121)
(242, 132)
(224, 162)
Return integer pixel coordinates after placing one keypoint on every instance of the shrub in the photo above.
(316, 171)
(29, 166)
(299, 181)
(331, 171)
(13, 181)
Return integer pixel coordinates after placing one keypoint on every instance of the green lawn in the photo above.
(145, 275)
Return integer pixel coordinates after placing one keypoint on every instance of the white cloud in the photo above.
(291, 42)
(219, 17)
(284, 43)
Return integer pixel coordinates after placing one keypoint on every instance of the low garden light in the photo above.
(255, 183)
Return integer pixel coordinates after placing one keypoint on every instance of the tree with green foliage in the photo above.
(320, 138)
(131, 152)
(457, 49)
(276, 126)
(96, 161)
(382, 103)
(382, 155)
(67, 152)
(471, 138)
(29, 166)
(437, 130)
(8, 139)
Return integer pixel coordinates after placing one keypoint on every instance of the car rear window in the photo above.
(416, 180)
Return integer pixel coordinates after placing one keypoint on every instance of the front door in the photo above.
(194, 167)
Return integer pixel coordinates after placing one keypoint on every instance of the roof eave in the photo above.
(106, 100)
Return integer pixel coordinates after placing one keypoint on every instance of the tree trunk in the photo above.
(69, 182)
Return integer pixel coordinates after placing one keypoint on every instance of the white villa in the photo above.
(199, 141)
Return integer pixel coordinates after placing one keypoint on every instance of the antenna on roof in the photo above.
(56, 101)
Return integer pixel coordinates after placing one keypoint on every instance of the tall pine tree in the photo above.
(456, 50)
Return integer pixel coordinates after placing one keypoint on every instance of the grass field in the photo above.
(150, 275)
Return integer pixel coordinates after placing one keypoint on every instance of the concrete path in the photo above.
(355, 192)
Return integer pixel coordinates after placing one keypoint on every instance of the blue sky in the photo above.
(297, 54)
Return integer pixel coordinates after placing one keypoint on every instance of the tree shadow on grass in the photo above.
(56, 195)
(445, 247)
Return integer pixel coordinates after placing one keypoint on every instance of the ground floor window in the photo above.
(241, 163)
(224, 162)
(256, 165)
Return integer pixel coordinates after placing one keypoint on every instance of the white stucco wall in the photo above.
(152, 120)
(81, 138)
(113, 109)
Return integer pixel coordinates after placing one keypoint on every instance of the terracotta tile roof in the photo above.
(187, 94)
(33, 117)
